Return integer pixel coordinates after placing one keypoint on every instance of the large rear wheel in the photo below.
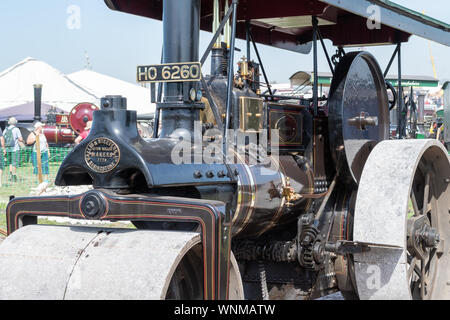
(403, 205)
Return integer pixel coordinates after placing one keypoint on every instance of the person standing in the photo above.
(84, 134)
(43, 147)
(13, 138)
(2, 155)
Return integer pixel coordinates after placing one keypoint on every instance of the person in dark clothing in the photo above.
(13, 139)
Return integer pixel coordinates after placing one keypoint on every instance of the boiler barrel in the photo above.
(261, 205)
(58, 135)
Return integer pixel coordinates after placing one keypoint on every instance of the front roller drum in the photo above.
(402, 206)
(78, 263)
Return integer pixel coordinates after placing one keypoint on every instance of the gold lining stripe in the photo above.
(277, 215)
(239, 200)
(251, 205)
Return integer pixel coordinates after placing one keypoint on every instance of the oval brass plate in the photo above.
(102, 155)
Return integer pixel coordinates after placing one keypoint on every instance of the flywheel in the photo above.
(358, 113)
(402, 206)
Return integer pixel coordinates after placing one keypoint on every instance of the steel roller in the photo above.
(78, 263)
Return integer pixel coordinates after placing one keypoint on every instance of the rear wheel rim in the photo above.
(421, 270)
(407, 261)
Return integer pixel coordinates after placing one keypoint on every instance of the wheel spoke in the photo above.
(414, 203)
(422, 279)
(426, 193)
(411, 268)
(432, 253)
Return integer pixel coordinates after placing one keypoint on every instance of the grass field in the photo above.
(27, 181)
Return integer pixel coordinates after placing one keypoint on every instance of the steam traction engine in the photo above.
(327, 204)
(61, 129)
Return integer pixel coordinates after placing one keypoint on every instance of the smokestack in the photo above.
(37, 102)
(181, 27)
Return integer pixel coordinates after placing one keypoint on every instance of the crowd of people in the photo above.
(12, 143)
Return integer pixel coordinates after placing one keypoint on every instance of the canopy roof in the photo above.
(286, 24)
(25, 112)
(303, 78)
(16, 86)
(138, 98)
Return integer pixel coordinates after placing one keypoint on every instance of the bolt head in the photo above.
(106, 104)
(197, 174)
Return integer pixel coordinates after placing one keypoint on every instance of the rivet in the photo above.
(197, 174)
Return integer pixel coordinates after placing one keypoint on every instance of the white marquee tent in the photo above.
(16, 86)
(138, 98)
(66, 91)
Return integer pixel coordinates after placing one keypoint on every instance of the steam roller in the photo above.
(243, 193)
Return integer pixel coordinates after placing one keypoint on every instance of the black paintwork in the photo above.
(211, 217)
(142, 163)
(358, 87)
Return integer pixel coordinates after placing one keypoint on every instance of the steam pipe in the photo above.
(216, 36)
(227, 27)
(216, 23)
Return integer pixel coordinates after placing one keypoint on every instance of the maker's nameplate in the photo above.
(102, 155)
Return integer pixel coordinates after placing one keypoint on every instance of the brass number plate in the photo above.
(170, 72)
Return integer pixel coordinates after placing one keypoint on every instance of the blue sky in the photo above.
(116, 43)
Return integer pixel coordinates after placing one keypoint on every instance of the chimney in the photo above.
(181, 28)
(37, 102)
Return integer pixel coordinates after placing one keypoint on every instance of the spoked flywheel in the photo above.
(402, 208)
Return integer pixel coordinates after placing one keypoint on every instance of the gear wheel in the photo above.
(310, 245)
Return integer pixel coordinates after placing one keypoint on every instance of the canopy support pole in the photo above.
(229, 104)
(316, 68)
(401, 111)
(259, 60)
